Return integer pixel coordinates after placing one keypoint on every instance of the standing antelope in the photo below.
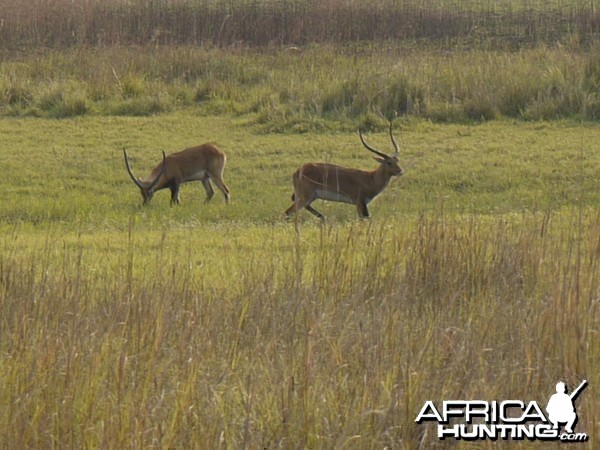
(202, 163)
(323, 181)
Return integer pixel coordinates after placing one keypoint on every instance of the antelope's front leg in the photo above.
(293, 209)
(174, 194)
(363, 211)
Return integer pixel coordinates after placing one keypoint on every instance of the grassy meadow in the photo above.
(213, 326)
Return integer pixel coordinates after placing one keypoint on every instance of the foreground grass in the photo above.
(206, 326)
(255, 337)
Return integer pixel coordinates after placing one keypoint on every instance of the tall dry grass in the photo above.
(331, 338)
(513, 23)
(280, 90)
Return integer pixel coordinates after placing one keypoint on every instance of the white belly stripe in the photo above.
(332, 196)
(200, 175)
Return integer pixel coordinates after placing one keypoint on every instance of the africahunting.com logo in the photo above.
(508, 419)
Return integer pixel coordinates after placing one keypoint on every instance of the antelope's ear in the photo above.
(379, 160)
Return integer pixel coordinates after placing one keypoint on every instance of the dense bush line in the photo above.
(509, 23)
(283, 91)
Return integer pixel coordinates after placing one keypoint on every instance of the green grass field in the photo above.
(62, 173)
(214, 326)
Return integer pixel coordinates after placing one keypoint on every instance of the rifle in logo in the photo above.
(506, 419)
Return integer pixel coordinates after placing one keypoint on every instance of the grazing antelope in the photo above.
(323, 181)
(202, 163)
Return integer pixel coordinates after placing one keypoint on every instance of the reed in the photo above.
(496, 23)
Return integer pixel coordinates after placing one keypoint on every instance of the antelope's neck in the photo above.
(379, 179)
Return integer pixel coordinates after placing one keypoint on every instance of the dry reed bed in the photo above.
(61, 23)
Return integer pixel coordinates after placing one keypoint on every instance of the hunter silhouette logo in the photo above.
(560, 406)
(508, 419)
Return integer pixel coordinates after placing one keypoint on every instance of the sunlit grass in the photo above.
(71, 173)
(253, 336)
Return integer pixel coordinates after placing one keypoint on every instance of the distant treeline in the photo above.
(487, 23)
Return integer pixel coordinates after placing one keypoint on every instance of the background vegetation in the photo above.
(214, 326)
(282, 62)
(315, 88)
(60, 23)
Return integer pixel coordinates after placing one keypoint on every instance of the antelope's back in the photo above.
(326, 173)
(206, 156)
(198, 153)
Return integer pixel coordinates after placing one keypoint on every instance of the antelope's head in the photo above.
(390, 164)
(149, 186)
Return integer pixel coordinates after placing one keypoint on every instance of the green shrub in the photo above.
(145, 106)
(132, 86)
(17, 95)
(341, 96)
(202, 92)
(591, 71)
(71, 106)
(444, 112)
(591, 107)
(399, 95)
(320, 81)
(479, 109)
(514, 98)
(61, 101)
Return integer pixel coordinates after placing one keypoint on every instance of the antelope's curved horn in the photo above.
(368, 147)
(135, 179)
(162, 170)
(396, 148)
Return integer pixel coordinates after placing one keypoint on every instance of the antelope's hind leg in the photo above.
(222, 187)
(299, 204)
(210, 192)
(315, 212)
(289, 211)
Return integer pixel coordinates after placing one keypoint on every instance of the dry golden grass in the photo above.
(332, 338)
